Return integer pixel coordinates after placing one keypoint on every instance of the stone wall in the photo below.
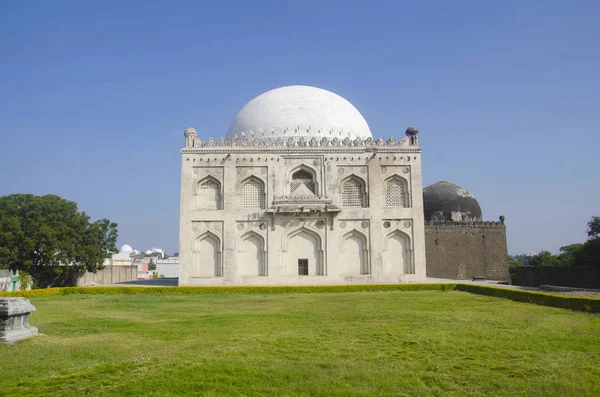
(581, 277)
(109, 275)
(228, 238)
(462, 250)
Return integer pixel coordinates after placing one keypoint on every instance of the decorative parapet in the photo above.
(14, 319)
(250, 141)
(302, 204)
(464, 224)
(301, 199)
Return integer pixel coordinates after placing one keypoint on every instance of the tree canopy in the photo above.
(580, 254)
(37, 231)
(544, 258)
(593, 230)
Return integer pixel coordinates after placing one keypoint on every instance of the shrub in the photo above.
(25, 280)
(227, 290)
(567, 302)
(562, 301)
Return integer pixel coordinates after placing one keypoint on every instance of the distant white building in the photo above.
(168, 267)
(123, 258)
(155, 251)
(158, 251)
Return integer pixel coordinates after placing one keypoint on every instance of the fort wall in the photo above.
(463, 250)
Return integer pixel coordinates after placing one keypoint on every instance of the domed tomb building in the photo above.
(299, 193)
(458, 244)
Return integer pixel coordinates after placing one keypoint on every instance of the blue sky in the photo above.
(94, 97)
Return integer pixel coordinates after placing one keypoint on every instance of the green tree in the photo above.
(593, 230)
(47, 231)
(544, 258)
(151, 265)
(589, 255)
(569, 253)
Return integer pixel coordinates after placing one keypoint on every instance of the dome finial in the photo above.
(413, 134)
(190, 136)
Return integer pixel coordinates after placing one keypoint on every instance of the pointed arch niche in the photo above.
(207, 255)
(303, 181)
(252, 255)
(396, 192)
(253, 193)
(208, 194)
(303, 244)
(355, 258)
(397, 253)
(354, 192)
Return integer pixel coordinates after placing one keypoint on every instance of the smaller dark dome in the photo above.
(412, 131)
(445, 201)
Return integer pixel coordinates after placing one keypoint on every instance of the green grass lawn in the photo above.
(427, 343)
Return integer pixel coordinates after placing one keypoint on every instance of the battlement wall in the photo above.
(462, 250)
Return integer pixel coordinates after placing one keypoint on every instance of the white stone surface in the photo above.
(298, 206)
(168, 268)
(299, 111)
(14, 321)
(126, 248)
(122, 258)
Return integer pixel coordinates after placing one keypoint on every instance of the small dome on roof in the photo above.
(412, 130)
(125, 248)
(445, 201)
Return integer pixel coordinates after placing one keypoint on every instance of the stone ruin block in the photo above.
(14, 319)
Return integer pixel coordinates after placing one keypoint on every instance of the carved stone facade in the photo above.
(299, 193)
(301, 211)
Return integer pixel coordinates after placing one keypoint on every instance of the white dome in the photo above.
(298, 110)
(125, 248)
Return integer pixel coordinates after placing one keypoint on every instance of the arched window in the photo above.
(253, 194)
(395, 193)
(302, 178)
(353, 193)
(208, 194)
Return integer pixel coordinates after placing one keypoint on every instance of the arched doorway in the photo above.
(304, 256)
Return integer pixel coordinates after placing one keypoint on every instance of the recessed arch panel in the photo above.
(303, 244)
(252, 255)
(208, 193)
(354, 192)
(397, 253)
(303, 179)
(253, 193)
(395, 189)
(354, 254)
(206, 256)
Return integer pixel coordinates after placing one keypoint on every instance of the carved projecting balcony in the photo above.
(302, 205)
